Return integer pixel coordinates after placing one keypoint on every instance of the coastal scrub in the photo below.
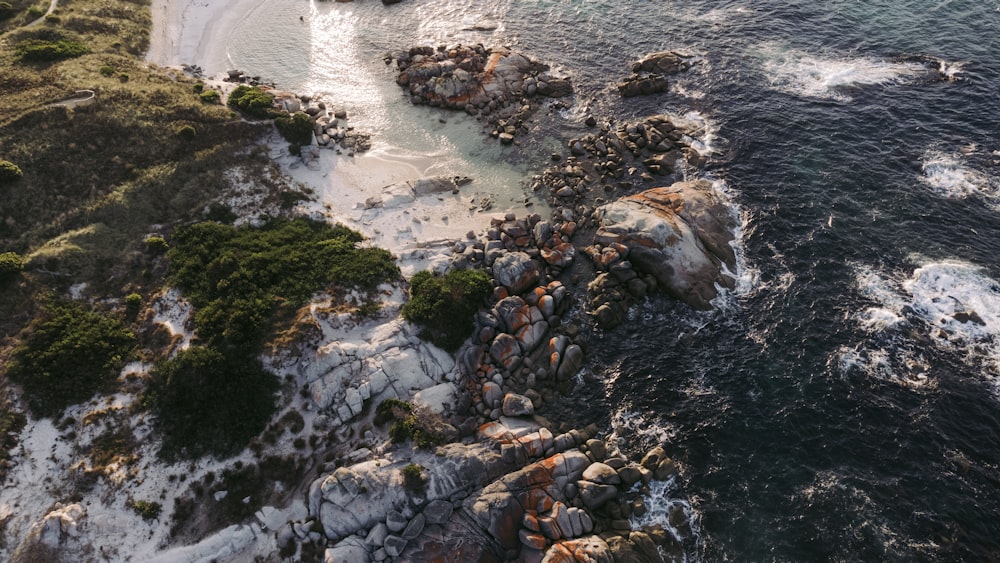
(238, 277)
(445, 305)
(68, 353)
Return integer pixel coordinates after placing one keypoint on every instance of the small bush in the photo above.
(297, 128)
(148, 510)
(414, 422)
(187, 132)
(43, 50)
(252, 101)
(156, 245)
(391, 409)
(199, 87)
(107, 71)
(11, 265)
(445, 305)
(67, 353)
(210, 97)
(9, 172)
(133, 304)
(413, 477)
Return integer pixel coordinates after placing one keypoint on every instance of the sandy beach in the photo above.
(195, 31)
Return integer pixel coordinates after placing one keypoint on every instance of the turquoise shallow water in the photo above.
(845, 405)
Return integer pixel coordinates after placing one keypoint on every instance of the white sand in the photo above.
(195, 31)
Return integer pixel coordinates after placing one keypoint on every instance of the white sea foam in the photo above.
(635, 424)
(962, 305)
(811, 76)
(660, 502)
(952, 303)
(949, 175)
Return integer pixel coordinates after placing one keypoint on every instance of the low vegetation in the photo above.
(252, 101)
(445, 305)
(208, 403)
(11, 264)
(237, 278)
(147, 509)
(52, 49)
(413, 422)
(68, 353)
(9, 172)
(297, 128)
(413, 477)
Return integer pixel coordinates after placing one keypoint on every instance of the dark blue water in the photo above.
(806, 433)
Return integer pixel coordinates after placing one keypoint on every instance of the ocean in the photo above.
(843, 404)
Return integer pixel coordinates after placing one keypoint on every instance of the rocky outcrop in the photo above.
(497, 84)
(57, 537)
(664, 62)
(405, 193)
(649, 74)
(519, 492)
(642, 85)
(393, 363)
(679, 235)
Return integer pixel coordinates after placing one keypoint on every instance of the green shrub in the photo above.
(207, 402)
(107, 70)
(44, 50)
(148, 510)
(35, 12)
(209, 97)
(199, 87)
(236, 277)
(413, 477)
(133, 304)
(297, 128)
(252, 101)
(413, 422)
(11, 265)
(445, 305)
(66, 354)
(156, 245)
(9, 172)
(187, 132)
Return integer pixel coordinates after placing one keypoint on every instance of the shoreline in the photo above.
(191, 33)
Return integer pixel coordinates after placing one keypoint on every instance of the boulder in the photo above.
(350, 549)
(415, 526)
(395, 521)
(679, 234)
(438, 511)
(516, 271)
(594, 495)
(394, 545)
(517, 405)
(665, 62)
(601, 473)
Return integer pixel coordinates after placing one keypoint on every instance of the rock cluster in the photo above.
(496, 84)
(404, 193)
(518, 492)
(394, 363)
(649, 74)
